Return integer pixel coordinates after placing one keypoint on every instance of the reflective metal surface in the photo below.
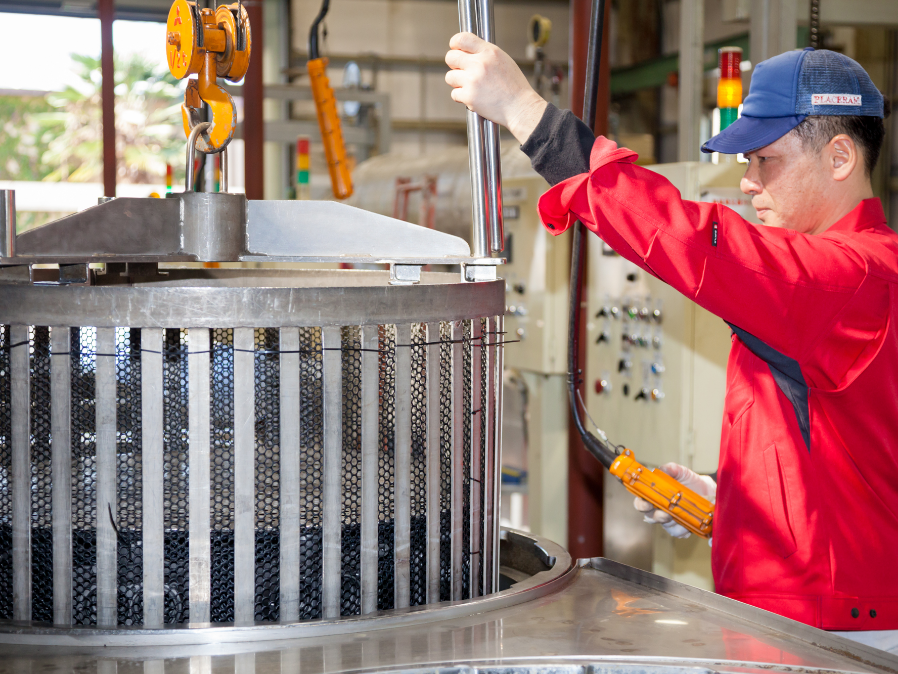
(546, 567)
(216, 555)
(7, 223)
(254, 298)
(219, 227)
(330, 229)
(609, 618)
(480, 241)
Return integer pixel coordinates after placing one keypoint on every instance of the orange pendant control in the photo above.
(694, 512)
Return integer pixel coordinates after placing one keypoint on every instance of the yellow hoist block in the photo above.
(331, 130)
(210, 44)
(687, 508)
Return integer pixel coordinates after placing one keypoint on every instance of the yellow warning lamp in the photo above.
(729, 88)
(209, 43)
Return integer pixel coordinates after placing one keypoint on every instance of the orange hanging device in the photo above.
(328, 119)
(210, 44)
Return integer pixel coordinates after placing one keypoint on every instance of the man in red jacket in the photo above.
(806, 520)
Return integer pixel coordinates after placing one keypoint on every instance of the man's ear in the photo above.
(842, 157)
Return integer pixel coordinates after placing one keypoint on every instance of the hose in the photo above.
(313, 33)
(602, 451)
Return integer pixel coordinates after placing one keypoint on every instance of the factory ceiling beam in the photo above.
(655, 72)
(106, 10)
(128, 10)
(299, 57)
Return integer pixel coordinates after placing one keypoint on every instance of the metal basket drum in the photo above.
(232, 447)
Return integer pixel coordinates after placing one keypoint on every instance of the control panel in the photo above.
(656, 377)
(639, 333)
(656, 365)
(537, 275)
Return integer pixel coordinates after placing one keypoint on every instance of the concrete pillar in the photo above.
(274, 60)
(692, 48)
(773, 28)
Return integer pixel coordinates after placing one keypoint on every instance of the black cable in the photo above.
(600, 450)
(313, 33)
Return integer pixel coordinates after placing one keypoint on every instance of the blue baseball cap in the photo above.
(788, 88)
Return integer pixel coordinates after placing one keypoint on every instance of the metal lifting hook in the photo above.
(210, 44)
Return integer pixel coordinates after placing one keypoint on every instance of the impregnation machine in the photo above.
(182, 445)
(275, 470)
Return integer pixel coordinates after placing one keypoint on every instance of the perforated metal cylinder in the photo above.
(231, 447)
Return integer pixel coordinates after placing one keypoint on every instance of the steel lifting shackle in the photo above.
(210, 44)
(477, 16)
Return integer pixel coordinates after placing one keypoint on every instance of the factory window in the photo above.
(50, 107)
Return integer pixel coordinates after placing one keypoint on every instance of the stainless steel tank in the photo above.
(243, 446)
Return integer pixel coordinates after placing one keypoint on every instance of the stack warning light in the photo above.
(302, 168)
(729, 88)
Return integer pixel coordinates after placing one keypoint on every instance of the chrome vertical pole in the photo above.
(7, 223)
(61, 459)
(492, 149)
(480, 241)
(224, 171)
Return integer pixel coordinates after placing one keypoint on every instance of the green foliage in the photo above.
(59, 138)
(23, 141)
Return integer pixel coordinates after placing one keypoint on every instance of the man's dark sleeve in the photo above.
(559, 146)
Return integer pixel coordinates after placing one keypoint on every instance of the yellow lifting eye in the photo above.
(209, 44)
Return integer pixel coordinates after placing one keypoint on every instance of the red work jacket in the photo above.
(806, 521)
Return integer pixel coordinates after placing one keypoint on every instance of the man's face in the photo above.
(787, 185)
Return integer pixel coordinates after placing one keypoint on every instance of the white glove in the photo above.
(703, 485)
(489, 82)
